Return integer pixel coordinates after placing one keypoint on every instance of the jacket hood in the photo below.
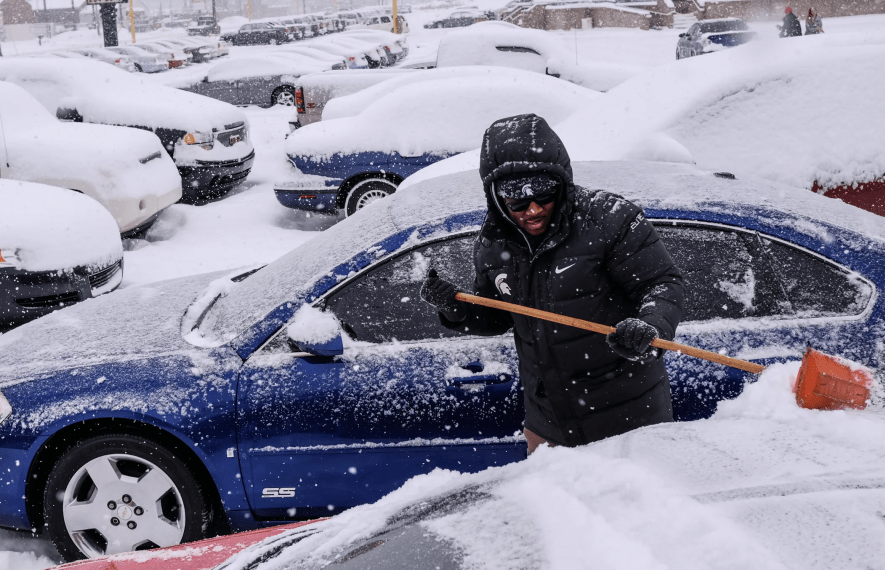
(518, 145)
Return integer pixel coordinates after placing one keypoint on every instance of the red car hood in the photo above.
(202, 555)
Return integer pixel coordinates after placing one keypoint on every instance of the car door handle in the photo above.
(485, 379)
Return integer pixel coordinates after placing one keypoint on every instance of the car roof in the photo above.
(456, 202)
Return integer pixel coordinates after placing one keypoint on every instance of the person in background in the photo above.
(791, 26)
(814, 24)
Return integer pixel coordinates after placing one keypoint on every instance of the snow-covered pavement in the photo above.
(249, 227)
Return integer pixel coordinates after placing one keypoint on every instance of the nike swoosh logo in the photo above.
(561, 269)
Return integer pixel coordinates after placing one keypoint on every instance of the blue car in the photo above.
(713, 35)
(389, 135)
(163, 413)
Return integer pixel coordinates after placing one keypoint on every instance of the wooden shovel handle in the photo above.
(605, 329)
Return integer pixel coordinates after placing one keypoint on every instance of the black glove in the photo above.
(632, 339)
(441, 293)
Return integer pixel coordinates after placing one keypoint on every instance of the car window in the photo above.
(385, 19)
(815, 286)
(727, 274)
(726, 26)
(384, 304)
(693, 30)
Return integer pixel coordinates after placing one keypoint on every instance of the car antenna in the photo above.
(3, 134)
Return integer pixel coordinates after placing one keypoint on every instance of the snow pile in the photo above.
(775, 109)
(49, 228)
(313, 326)
(393, 115)
(492, 43)
(745, 489)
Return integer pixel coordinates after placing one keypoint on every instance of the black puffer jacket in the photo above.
(599, 260)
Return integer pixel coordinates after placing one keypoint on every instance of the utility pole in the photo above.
(132, 19)
(395, 23)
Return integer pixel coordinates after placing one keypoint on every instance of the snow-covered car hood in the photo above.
(269, 65)
(49, 228)
(104, 94)
(465, 101)
(129, 324)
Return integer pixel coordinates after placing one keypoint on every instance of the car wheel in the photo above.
(117, 493)
(138, 68)
(366, 192)
(284, 96)
(438, 25)
(273, 41)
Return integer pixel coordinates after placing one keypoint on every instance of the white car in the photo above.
(208, 140)
(383, 23)
(394, 45)
(356, 58)
(126, 170)
(503, 44)
(57, 248)
(143, 60)
(107, 56)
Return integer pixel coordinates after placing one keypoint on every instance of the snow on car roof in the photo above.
(464, 102)
(652, 185)
(52, 228)
(491, 43)
(772, 109)
(105, 94)
(268, 65)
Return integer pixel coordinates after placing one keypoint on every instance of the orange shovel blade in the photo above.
(830, 383)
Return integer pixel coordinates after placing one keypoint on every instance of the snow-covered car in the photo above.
(259, 33)
(333, 59)
(370, 141)
(753, 487)
(322, 381)
(356, 58)
(458, 19)
(205, 26)
(713, 35)
(107, 56)
(374, 52)
(202, 49)
(395, 45)
(264, 81)
(314, 90)
(142, 59)
(506, 45)
(173, 54)
(207, 139)
(57, 248)
(384, 23)
(125, 170)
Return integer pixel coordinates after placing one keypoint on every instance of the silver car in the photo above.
(107, 56)
(143, 60)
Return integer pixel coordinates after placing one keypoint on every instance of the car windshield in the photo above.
(723, 26)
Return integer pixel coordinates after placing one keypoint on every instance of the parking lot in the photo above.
(653, 121)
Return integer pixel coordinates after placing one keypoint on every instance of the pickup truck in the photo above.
(206, 26)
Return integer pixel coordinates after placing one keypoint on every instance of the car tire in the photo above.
(438, 25)
(283, 96)
(88, 486)
(138, 68)
(678, 54)
(365, 192)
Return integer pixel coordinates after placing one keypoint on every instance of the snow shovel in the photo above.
(824, 383)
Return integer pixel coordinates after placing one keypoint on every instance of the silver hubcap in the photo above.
(285, 98)
(117, 503)
(370, 197)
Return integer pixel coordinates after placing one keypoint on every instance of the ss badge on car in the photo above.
(277, 492)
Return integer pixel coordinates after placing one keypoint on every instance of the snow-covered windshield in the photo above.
(723, 26)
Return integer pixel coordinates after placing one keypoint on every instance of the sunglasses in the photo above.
(521, 204)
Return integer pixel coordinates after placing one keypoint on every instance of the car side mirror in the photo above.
(206, 79)
(551, 73)
(682, 35)
(315, 332)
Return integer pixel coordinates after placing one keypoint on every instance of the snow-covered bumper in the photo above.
(27, 295)
(212, 170)
(313, 196)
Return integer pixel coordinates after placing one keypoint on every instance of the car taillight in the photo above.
(299, 99)
(118, 60)
(353, 59)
